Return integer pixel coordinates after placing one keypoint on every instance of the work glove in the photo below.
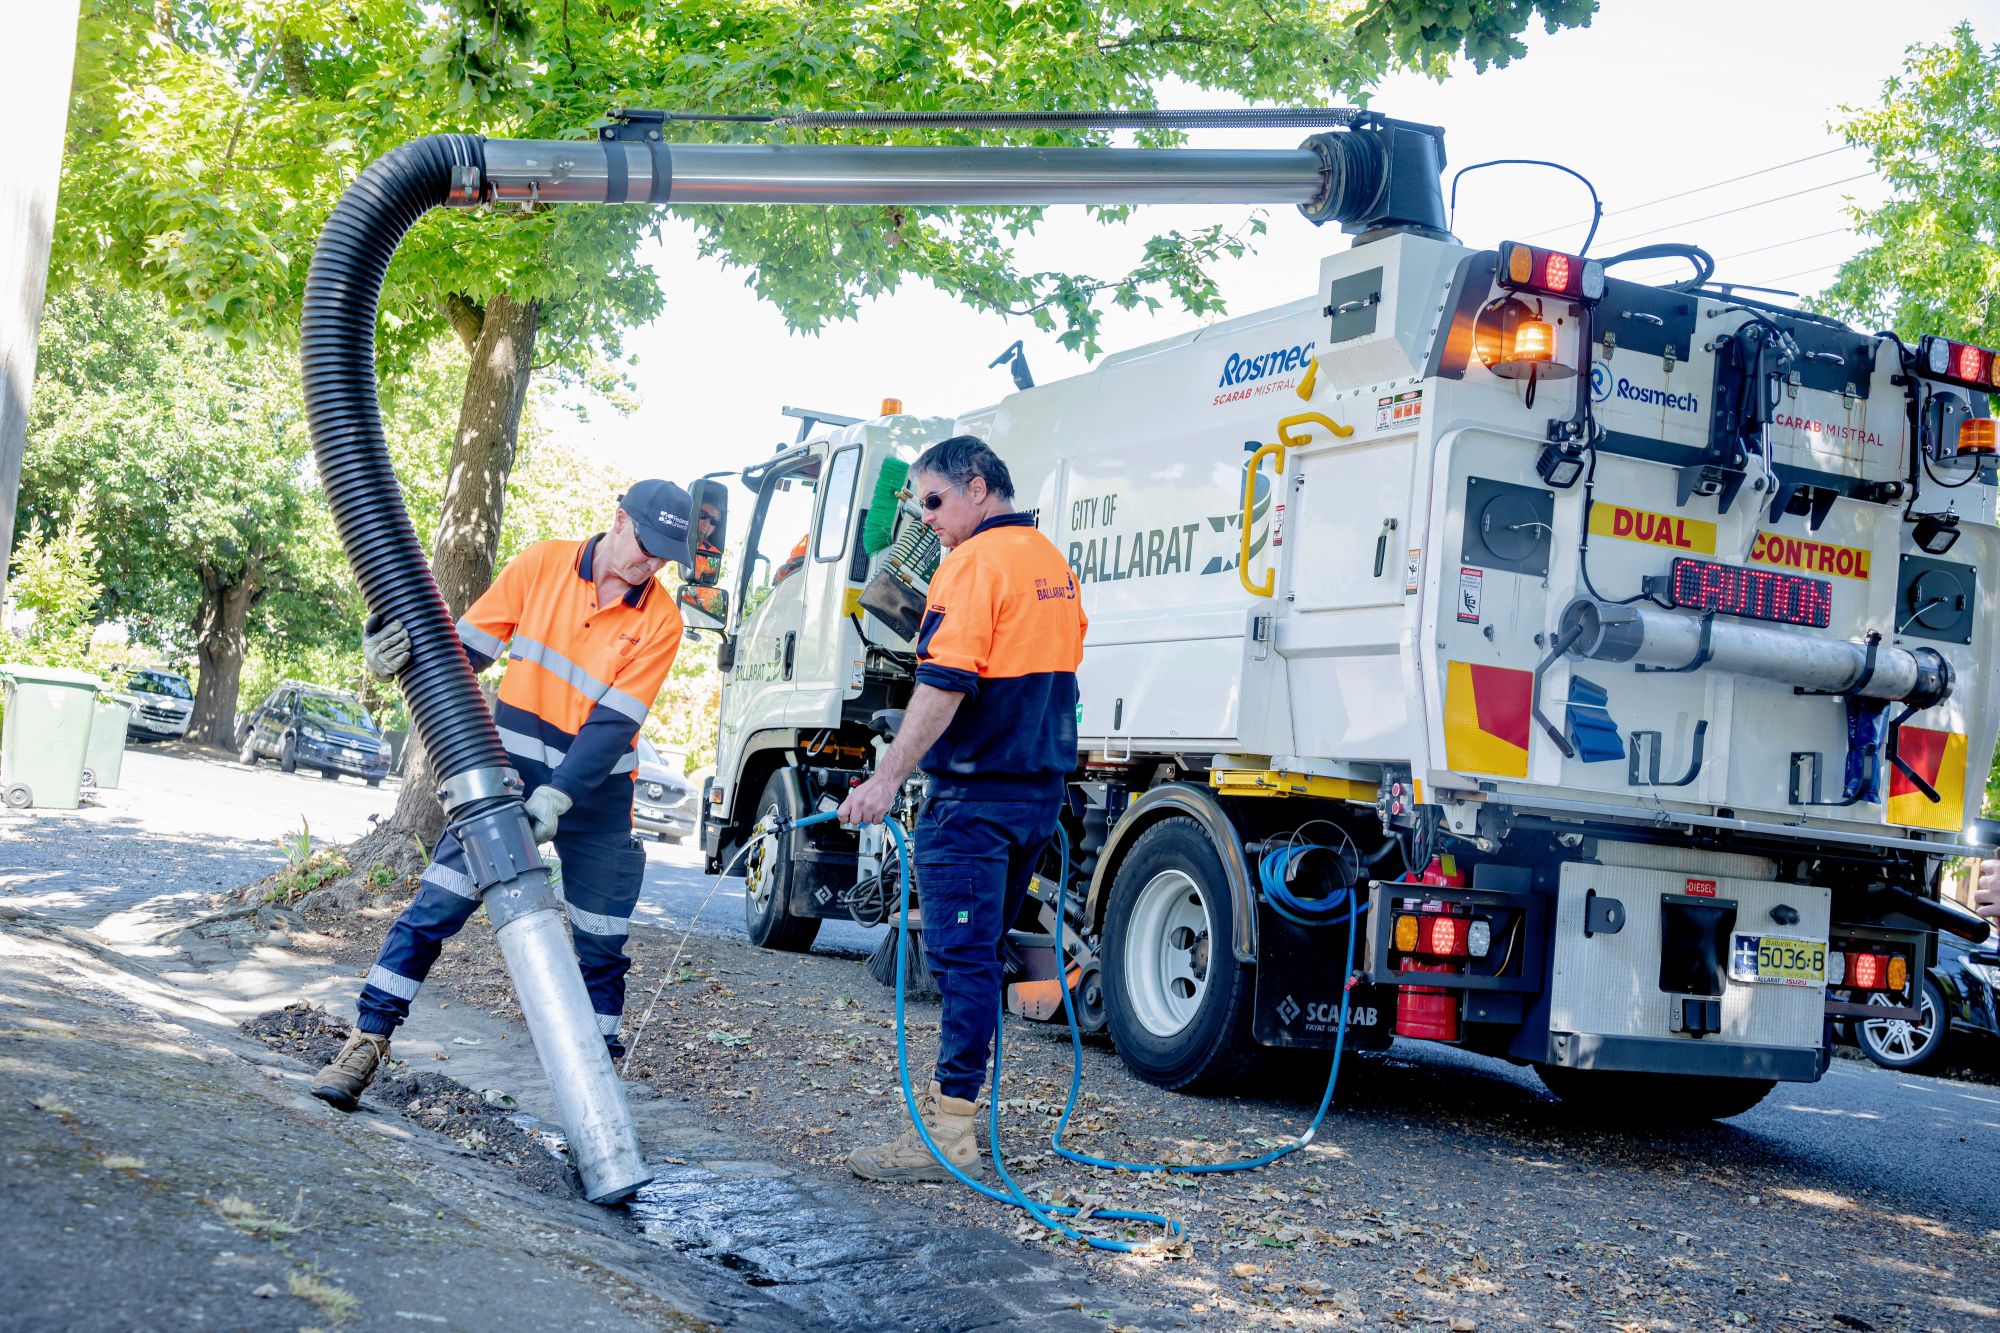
(545, 805)
(385, 647)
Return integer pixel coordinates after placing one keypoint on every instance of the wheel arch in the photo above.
(1164, 802)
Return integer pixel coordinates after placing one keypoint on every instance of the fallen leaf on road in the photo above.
(116, 1163)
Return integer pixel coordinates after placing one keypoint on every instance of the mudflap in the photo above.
(1299, 984)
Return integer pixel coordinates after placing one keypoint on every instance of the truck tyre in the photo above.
(1176, 1001)
(1896, 1044)
(1622, 1097)
(288, 754)
(768, 876)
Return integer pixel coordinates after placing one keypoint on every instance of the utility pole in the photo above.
(35, 65)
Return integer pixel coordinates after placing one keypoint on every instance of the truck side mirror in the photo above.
(703, 607)
(711, 535)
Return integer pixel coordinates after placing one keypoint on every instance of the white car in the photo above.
(663, 800)
(162, 704)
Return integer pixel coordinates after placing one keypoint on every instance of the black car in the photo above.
(1957, 998)
(304, 726)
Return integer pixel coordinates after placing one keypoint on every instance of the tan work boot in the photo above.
(341, 1082)
(950, 1121)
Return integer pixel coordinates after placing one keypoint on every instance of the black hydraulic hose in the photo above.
(343, 291)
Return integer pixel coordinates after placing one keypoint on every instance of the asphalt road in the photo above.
(678, 895)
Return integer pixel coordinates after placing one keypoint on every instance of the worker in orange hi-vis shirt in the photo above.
(993, 718)
(589, 637)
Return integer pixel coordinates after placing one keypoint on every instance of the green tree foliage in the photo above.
(55, 582)
(211, 137)
(1932, 262)
(1933, 258)
(189, 465)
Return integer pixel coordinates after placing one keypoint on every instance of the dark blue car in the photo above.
(304, 726)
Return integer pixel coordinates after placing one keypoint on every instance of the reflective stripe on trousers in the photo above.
(602, 873)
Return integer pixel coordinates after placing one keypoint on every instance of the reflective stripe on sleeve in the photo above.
(477, 639)
(451, 881)
(524, 746)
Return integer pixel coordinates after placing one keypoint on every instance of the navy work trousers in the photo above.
(974, 860)
(602, 871)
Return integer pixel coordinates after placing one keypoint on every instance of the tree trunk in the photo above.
(221, 634)
(501, 340)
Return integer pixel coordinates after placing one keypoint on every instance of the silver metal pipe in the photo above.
(1656, 637)
(589, 1100)
(549, 171)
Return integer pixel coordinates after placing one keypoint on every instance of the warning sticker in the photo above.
(1413, 565)
(1399, 411)
(1471, 585)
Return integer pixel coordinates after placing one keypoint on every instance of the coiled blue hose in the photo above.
(1344, 901)
(1050, 1215)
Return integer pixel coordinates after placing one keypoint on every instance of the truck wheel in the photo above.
(1896, 1043)
(1625, 1097)
(288, 755)
(768, 876)
(1177, 1002)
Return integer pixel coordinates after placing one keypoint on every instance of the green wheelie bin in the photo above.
(46, 735)
(104, 759)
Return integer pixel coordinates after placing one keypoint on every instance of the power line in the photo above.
(1785, 277)
(1741, 208)
(1657, 274)
(1698, 189)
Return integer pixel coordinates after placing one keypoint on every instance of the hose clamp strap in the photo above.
(477, 784)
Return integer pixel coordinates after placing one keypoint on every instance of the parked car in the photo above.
(1956, 999)
(663, 797)
(162, 703)
(304, 726)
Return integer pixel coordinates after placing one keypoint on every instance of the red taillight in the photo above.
(1961, 363)
(1550, 272)
(1867, 971)
(1445, 936)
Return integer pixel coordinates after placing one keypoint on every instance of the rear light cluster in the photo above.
(1960, 363)
(1440, 936)
(1868, 971)
(1526, 268)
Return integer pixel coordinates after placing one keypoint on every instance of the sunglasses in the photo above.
(932, 501)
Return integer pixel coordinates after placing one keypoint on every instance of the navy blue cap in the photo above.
(659, 511)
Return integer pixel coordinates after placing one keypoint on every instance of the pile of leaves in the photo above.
(482, 1123)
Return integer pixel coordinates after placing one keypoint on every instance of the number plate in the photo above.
(1777, 960)
(351, 756)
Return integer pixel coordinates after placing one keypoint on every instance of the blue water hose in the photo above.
(1344, 901)
(1050, 1215)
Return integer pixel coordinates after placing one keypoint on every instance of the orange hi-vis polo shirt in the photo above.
(1004, 626)
(579, 676)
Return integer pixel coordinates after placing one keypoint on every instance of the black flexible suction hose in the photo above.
(343, 290)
